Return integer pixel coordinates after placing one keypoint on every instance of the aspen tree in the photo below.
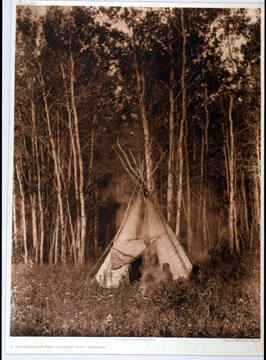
(181, 130)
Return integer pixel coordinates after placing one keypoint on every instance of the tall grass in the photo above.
(221, 300)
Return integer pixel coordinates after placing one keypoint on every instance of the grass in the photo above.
(222, 300)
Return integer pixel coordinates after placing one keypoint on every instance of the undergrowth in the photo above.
(222, 300)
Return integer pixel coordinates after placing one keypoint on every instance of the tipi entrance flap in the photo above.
(120, 258)
(129, 243)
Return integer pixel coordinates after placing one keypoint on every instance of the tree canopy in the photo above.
(177, 89)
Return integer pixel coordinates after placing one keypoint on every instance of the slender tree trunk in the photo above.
(256, 182)
(147, 141)
(96, 212)
(52, 245)
(189, 228)
(40, 204)
(15, 228)
(75, 165)
(96, 223)
(77, 231)
(34, 206)
(179, 185)
(206, 98)
(92, 148)
(194, 147)
(34, 222)
(226, 164)
(55, 159)
(80, 163)
(64, 244)
(181, 130)
(231, 205)
(256, 197)
(141, 89)
(219, 242)
(255, 209)
(170, 188)
(204, 222)
(74, 246)
(232, 218)
(41, 217)
(245, 226)
(33, 196)
(237, 245)
(200, 225)
(23, 213)
(56, 255)
(204, 166)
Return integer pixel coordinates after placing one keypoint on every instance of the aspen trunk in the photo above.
(226, 164)
(255, 210)
(96, 213)
(23, 214)
(206, 97)
(147, 141)
(40, 205)
(55, 159)
(42, 225)
(92, 149)
(56, 239)
(80, 164)
(34, 205)
(245, 226)
(232, 217)
(231, 204)
(170, 188)
(204, 222)
(256, 199)
(74, 246)
(204, 166)
(15, 228)
(34, 223)
(39, 190)
(52, 245)
(194, 147)
(189, 228)
(219, 242)
(200, 219)
(96, 223)
(77, 239)
(179, 186)
(181, 131)
(141, 89)
(63, 245)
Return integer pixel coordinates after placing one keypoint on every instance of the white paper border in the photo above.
(100, 345)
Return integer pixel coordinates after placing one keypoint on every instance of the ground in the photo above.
(221, 300)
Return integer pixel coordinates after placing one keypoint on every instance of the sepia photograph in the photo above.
(136, 172)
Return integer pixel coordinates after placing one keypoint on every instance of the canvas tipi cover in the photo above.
(143, 223)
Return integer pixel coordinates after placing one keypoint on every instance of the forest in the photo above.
(107, 95)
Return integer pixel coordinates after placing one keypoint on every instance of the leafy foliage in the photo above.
(84, 63)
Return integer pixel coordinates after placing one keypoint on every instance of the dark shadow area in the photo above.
(107, 223)
(135, 270)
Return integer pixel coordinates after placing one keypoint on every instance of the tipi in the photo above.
(143, 225)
